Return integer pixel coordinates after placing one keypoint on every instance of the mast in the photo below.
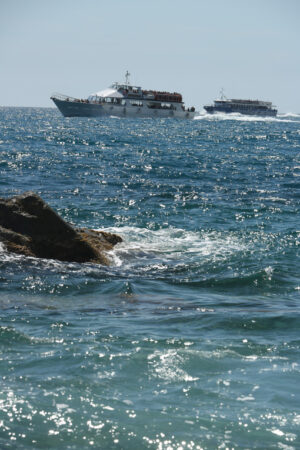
(222, 95)
(127, 75)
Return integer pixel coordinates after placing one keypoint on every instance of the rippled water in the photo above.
(190, 339)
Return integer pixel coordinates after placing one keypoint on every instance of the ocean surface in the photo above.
(190, 339)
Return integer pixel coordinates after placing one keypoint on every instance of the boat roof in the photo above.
(122, 90)
(109, 92)
(243, 101)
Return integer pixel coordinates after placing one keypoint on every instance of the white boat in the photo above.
(125, 100)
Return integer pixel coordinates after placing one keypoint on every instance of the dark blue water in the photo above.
(191, 338)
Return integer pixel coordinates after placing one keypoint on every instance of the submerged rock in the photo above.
(28, 226)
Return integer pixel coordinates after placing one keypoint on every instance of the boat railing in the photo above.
(64, 97)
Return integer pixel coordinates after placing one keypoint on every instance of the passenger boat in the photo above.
(125, 100)
(248, 107)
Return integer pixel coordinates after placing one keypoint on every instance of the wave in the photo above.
(9, 336)
(173, 244)
(147, 249)
(201, 259)
(160, 246)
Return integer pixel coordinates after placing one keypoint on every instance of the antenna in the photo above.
(127, 75)
(222, 95)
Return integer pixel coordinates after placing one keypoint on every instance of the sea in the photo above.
(190, 339)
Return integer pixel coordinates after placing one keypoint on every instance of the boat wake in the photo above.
(289, 114)
(287, 118)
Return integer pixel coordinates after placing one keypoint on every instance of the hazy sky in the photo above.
(251, 48)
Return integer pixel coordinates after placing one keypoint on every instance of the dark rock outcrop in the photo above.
(28, 226)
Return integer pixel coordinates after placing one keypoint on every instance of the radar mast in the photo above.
(127, 75)
(222, 95)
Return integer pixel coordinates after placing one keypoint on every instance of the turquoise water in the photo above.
(190, 339)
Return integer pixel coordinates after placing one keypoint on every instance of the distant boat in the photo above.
(248, 107)
(125, 100)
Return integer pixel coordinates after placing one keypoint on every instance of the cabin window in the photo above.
(136, 103)
(166, 106)
(153, 105)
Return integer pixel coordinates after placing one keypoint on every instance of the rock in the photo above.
(28, 226)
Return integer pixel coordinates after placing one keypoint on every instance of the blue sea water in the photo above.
(190, 339)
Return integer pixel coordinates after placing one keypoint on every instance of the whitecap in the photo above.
(172, 244)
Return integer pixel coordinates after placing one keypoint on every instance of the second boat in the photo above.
(247, 107)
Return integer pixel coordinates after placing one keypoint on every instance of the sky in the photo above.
(250, 48)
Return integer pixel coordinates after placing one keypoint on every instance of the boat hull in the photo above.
(254, 112)
(89, 109)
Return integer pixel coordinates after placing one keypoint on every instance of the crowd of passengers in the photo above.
(117, 101)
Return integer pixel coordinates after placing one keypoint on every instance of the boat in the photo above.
(248, 107)
(125, 100)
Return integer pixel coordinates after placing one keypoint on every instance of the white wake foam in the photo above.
(243, 118)
(289, 114)
(169, 244)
